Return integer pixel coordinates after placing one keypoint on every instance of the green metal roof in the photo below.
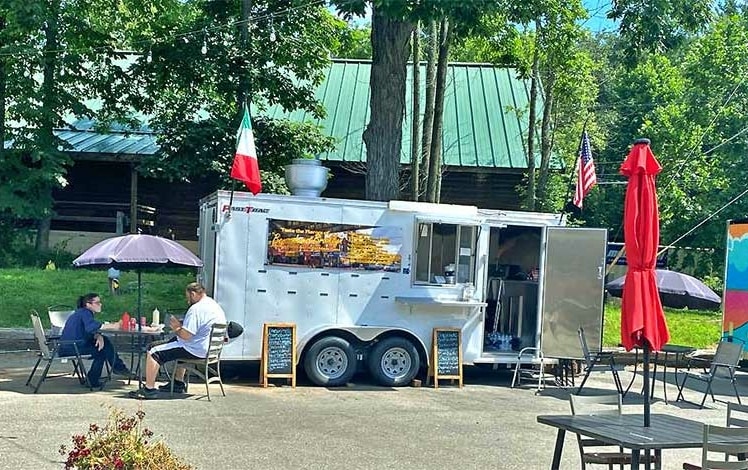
(83, 138)
(485, 114)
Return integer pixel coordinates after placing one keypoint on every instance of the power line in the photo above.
(701, 139)
(672, 245)
(165, 39)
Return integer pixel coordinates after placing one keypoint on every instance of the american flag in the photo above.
(586, 177)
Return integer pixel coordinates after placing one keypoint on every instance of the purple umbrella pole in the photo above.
(140, 301)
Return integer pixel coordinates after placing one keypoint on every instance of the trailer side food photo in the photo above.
(366, 283)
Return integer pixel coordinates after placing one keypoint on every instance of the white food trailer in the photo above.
(366, 282)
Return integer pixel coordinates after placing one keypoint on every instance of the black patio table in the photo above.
(678, 351)
(628, 431)
(139, 340)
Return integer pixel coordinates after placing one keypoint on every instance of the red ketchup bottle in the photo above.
(125, 321)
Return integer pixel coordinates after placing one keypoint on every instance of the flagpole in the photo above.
(233, 181)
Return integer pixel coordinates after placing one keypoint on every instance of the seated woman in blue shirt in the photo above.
(82, 328)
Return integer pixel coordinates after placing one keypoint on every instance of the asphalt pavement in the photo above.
(484, 425)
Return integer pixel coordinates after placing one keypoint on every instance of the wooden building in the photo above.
(484, 155)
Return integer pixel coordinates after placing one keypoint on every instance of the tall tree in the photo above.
(383, 135)
(391, 27)
(415, 132)
(193, 84)
(48, 48)
(658, 25)
(433, 191)
(428, 104)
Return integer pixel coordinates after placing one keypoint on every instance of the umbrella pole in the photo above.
(140, 299)
(140, 328)
(646, 383)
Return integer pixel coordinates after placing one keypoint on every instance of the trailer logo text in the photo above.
(246, 209)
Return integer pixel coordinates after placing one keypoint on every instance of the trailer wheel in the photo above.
(394, 362)
(330, 362)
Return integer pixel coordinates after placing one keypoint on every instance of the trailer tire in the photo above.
(394, 362)
(330, 362)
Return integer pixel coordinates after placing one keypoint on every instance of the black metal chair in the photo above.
(725, 362)
(598, 361)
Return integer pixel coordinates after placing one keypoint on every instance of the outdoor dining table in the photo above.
(628, 431)
(139, 340)
(679, 354)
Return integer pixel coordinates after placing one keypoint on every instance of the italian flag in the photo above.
(245, 167)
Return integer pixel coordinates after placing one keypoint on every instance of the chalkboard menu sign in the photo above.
(278, 352)
(446, 355)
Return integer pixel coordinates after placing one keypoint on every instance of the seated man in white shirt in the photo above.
(191, 341)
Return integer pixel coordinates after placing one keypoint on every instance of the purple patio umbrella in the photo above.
(136, 252)
(677, 290)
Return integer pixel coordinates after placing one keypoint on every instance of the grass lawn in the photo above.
(689, 327)
(24, 289)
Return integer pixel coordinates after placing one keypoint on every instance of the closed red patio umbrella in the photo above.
(642, 319)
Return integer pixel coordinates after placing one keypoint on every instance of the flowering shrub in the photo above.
(123, 443)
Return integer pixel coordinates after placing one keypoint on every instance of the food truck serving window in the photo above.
(445, 253)
(328, 245)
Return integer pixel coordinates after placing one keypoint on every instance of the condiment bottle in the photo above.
(125, 321)
(156, 317)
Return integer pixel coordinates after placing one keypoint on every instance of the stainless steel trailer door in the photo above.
(572, 290)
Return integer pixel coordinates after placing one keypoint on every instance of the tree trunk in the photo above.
(530, 196)
(48, 105)
(415, 141)
(546, 142)
(390, 41)
(428, 105)
(435, 161)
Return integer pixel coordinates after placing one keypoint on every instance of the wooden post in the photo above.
(133, 198)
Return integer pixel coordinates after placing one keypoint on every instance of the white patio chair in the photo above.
(49, 353)
(58, 315)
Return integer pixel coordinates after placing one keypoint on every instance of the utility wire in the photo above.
(672, 245)
(692, 152)
(165, 39)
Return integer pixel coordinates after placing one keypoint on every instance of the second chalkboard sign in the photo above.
(446, 355)
(278, 352)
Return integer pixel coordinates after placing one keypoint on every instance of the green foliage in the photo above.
(45, 56)
(689, 103)
(190, 84)
(211, 144)
(122, 443)
(355, 43)
(18, 249)
(23, 289)
(191, 96)
(690, 327)
(658, 25)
